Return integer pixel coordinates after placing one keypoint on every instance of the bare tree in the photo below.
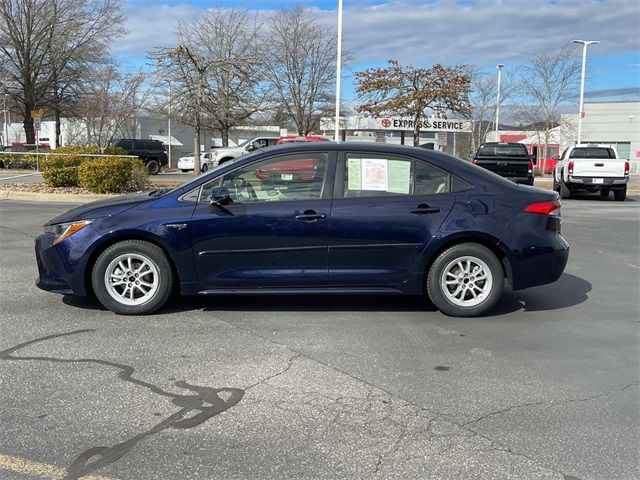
(40, 41)
(408, 91)
(82, 33)
(108, 101)
(483, 96)
(551, 80)
(301, 66)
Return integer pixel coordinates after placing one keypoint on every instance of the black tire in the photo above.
(556, 186)
(160, 278)
(204, 168)
(224, 160)
(185, 170)
(604, 193)
(153, 167)
(447, 262)
(565, 191)
(621, 194)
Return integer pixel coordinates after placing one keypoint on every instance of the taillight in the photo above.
(626, 169)
(530, 166)
(570, 168)
(543, 208)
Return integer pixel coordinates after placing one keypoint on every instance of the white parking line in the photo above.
(20, 176)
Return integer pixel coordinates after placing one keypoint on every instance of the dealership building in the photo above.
(612, 123)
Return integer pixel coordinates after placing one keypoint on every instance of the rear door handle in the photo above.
(424, 208)
(311, 216)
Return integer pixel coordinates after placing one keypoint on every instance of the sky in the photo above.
(423, 32)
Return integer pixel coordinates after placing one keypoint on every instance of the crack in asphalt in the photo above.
(548, 402)
(438, 415)
(30, 235)
(195, 408)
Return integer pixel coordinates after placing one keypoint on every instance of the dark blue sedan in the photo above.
(325, 218)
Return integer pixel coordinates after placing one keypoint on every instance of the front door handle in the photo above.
(424, 208)
(311, 216)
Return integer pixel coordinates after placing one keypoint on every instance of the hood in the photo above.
(102, 208)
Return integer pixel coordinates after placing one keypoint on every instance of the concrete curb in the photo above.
(51, 197)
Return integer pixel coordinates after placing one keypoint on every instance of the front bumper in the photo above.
(61, 267)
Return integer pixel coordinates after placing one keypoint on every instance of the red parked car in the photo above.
(296, 139)
(300, 170)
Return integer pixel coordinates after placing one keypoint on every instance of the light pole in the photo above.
(584, 62)
(499, 67)
(336, 135)
(5, 129)
(169, 126)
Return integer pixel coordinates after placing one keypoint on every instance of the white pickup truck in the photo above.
(591, 167)
(224, 154)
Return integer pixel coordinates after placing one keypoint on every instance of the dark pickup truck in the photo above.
(509, 160)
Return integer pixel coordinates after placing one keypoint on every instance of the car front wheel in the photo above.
(132, 277)
(465, 280)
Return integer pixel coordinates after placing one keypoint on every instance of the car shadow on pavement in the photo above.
(567, 291)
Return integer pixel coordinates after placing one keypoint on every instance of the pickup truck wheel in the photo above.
(465, 280)
(132, 277)
(204, 167)
(604, 193)
(621, 194)
(153, 167)
(565, 191)
(185, 170)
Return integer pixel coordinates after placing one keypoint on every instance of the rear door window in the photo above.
(378, 176)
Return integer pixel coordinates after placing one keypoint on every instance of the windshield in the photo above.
(246, 142)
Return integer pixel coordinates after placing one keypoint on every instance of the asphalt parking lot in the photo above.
(327, 387)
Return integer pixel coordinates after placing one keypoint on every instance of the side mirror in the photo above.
(219, 198)
(250, 148)
(556, 157)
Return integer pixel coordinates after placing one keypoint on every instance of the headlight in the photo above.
(64, 230)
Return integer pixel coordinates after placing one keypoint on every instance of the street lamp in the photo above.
(336, 134)
(499, 67)
(584, 61)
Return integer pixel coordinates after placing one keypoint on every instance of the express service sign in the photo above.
(425, 125)
(397, 123)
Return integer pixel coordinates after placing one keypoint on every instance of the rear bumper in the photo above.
(595, 181)
(539, 265)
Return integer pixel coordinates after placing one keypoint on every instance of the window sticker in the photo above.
(354, 173)
(399, 176)
(375, 174)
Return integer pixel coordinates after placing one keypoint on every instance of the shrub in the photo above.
(60, 169)
(10, 160)
(112, 174)
(114, 150)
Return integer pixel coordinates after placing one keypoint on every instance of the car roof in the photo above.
(508, 144)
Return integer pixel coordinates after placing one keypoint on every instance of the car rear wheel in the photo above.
(153, 167)
(204, 168)
(465, 280)
(185, 170)
(132, 277)
(621, 194)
